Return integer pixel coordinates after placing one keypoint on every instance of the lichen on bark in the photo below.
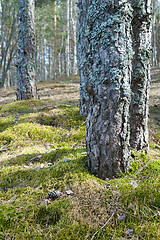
(111, 66)
(107, 87)
(140, 74)
(26, 78)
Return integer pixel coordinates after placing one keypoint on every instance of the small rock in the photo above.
(122, 217)
(134, 184)
(84, 153)
(15, 120)
(42, 165)
(129, 231)
(54, 194)
(108, 186)
(67, 160)
(69, 192)
(107, 179)
(157, 147)
(50, 164)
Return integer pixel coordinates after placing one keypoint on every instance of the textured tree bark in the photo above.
(83, 51)
(140, 74)
(43, 74)
(74, 23)
(114, 44)
(55, 38)
(105, 65)
(155, 33)
(7, 38)
(68, 41)
(26, 76)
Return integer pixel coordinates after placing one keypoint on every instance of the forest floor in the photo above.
(46, 190)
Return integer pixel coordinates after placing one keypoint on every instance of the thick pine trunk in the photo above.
(26, 76)
(109, 55)
(140, 75)
(114, 81)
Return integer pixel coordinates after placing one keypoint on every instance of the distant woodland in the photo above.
(56, 39)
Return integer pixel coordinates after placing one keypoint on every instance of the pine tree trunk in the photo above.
(26, 76)
(140, 74)
(55, 38)
(108, 54)
(68, 41)
(83, 53)
(7, 38)
(43, 50)
(75, 70)
(114, 44)
(154, 32)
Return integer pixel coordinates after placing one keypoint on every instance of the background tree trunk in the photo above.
(68, 41)
(55, 38)
(43, 51)
(140, 74)
(74, 22)
(26, 76)
(83, 51)
(8, 38)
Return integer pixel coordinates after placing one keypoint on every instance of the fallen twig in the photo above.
(109, 205)
(3, 149)
(104, 224)
(81, 125)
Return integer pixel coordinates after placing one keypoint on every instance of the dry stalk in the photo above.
(104, 224)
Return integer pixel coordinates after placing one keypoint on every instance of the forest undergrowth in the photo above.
(46, 190)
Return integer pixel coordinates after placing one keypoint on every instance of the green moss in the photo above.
(66, 118)
(138, 161)
(51, 214)
(30, 131)
(56, 134)
(5, 122)
(22, 106)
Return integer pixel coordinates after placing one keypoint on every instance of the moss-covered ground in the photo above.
(36, 138)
